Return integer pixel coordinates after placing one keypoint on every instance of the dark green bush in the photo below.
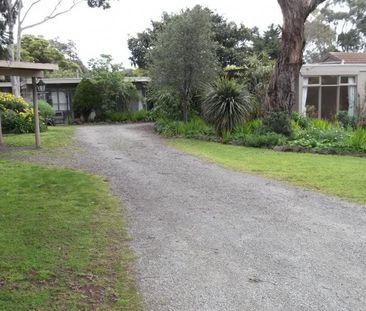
(264, 140)
(345, 120)
(277, 122)
(87, 98)
(164, 104)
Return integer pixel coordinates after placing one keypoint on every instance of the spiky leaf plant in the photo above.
(225, 104)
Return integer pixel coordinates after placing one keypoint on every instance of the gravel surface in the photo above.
(208, 238)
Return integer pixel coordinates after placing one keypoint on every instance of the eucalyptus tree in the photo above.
(282, 87)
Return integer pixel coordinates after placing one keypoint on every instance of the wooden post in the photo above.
(36, 115)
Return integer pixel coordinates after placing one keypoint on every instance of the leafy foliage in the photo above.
(128, 116)
(40, 50)
(346, 120)
(184, 55)
(277, 122)
(115, 92)
(87, 98)
(225, 104)
(46, 111)
(195, 128)
(164, 104)
(233, 42)
(16, 114)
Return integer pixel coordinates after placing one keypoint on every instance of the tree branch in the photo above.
(54, 13)
(30, 8)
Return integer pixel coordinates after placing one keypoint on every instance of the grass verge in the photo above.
(342, 176)
(61, 242)
(54, 137)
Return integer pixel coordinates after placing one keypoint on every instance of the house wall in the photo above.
(359, 71)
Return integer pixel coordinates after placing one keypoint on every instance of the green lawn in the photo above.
(61, 242)
(61, 236)
(341, 176)
(55, 136)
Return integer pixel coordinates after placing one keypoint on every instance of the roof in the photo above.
(63, 81)
(24, 69)
(345, 58)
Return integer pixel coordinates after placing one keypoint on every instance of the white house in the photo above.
(338, 83)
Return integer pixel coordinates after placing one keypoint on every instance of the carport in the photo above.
(27, 70)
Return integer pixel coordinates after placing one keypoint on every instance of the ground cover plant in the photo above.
(298, 134)
(342, 176)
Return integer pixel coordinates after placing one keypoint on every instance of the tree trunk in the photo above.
(11, 49)
(281, 93)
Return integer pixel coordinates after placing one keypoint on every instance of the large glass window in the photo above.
(324, 96)
(312, 102)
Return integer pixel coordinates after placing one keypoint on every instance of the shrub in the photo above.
(126, 116)
(300, 120)
(194, 128)
(140, 115)
(225, 104)
(164, 104)
(345, 120)
(248, 127)
(321, 124)
(86, 99)
(16, 114)
(17, 123)
(45, 109)
(277, 122)
(264, 140)
(357, 140)
(10, 102)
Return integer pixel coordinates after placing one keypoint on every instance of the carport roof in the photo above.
(24, 69)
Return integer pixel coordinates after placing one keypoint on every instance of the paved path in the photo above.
(208, 238)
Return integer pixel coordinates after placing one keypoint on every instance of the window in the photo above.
(324, 96)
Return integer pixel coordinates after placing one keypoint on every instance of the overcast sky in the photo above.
(97, 31)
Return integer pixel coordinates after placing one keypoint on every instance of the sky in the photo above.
(97, 31)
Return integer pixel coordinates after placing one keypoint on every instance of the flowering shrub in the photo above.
(16, 114)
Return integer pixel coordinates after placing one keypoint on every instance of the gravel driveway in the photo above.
(208, 238)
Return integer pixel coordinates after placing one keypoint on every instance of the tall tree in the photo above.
(339, 25)
(184, 55)
(233, 41)
(282, 87)
(40, 50)
(269, 42)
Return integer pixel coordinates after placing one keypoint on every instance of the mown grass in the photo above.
(61, 242)
(54, 137)
(342, 176)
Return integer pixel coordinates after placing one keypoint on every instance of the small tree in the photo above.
(86, 99)
(184, 55)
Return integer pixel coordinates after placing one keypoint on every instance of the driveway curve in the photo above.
(208, 238)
